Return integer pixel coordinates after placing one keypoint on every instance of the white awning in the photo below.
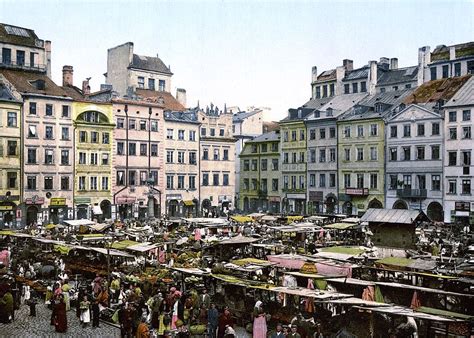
(79, 222)
(97, 210)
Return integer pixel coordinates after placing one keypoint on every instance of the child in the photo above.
(85, 312)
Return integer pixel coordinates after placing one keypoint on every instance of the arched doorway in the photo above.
(435, 212)
(173, 208)
(399, 204)
(156, 207)
(82, 211)
(246, 204)
(375, 204)
(206, 207)
(347, 208)
(31, 214)
(330, 204)
(105, 206)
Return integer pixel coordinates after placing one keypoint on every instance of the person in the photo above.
(85, 311)
(259, 321)
(164, 318)
(279, 332)
(60, 316)
(6, 306)
(122, 295)
(32, 304)
(125, 320)
(225, 319)
(205, 299)
(212, 320)
(115, 289)
(95, 311)
(294, 333)
(142, 330)
(155, 311)
(229, 332)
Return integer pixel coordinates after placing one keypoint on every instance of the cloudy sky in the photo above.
(241, 52)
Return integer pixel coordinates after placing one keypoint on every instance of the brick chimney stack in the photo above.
(86, 89)
(68, 73)
(348, 64)
(393, 63)
(372, 76)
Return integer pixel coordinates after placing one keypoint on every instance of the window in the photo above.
(373, 181)
(225, 179)
(312, 155)
(347, 154)
(312, 180)
(20, 57)
(48, 132)
(457, 69)
(82, 158)
(325, 91)
(6, 56)
(120, 177)
(65, 111)
(132, 177)
(285, 136)
(379, 107)
(94, 159)
(143, 177)
(180, 182)
(254, 184)
(154, 176)
(373, 153)
(393, 131)
(120, 123)
(216, 155)
(406, 153)
(143, 149)
(154, 126)
(94, 137)
(192, 135)
(192, 157)
(332, 180)
(312, 134)
(302, 184)
(408, 86)
(192, 182)
(363, 87)
(346, 88)
(254, 165)
(420, 129)
(435, 128)
(406, 130)
(151, 84)
(49, 110)
(445, 71)
(360, 131)
(132, 149)
(435, 182)
(64, 183)
(452, 187)
(31, 159)
(11, 180)
(293, 182)
(382, 90)
(82, 183)
(12, 119)
(347, 180)
(246, 165)
(120, 148)
(169, 156)
(275, 184)
(246, 184)
(360, 154)
(131, 124)
(215, 179)
(421, 181)
(433, 73)
(205, 154)
(274, 164)
(65, 133)
(93, 183)
(180, 156)
(360, 181)
(264, 164)
(354, 88)
(322, 180)
(161, 85)
(180, 134)
(466, 158)
(82, 136)
(332, 155)
(225, 156)
(169, 134)
(322, 133)
(293, 135)
(32, 133)
(332, 90)
(142, 125)
(393, 154)
(322, 155)
(141, 82)
(466, 132)
(347, 131)
(318, 92)
(105, 159)
(452, 116)
(393, 182)
(453, 133)
(452, 158)
(48, 183)
(105, 183)
(221, 132)
(11, 148)
(285, 158)
(64, 157)
(105, 138)
(31, 183)
(48, 156)
(466, 115)
(420, 153)
(302, 157)
(203, 131)
(332, 132)
(466, 187)
(212, 132)
(32, 108)
(435, 152)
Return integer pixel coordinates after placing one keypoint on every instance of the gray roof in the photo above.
(464, 96)
(271, 136)
(149, 63)
(317, 103)
(357, 74)
(399, 75)
(399, 216)
(342, 103)
(19, 36)
(390, 97)
(295, 114)
(242, 115)
(6, 95)
(189, 116)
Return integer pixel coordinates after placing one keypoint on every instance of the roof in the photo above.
(29, 83)
(316, 103)
(327, 75)
(181, 116)
(152, 63)
(433, 91)
(166, 99)
(441, 53)
(297, 114)
(358, 73)
(19, 36)
(399, 75)
(242, 115)
(464, 96)
(270, 126)
(6, 94)
(342, 103)
(399, 216)
(267, 137)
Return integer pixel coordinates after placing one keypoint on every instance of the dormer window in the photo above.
(378, 107)
(329, 112)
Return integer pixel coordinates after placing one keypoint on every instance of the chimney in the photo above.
(340, 73)
(68, 76)
(384, 63)
(372, 76)
(86, 89)
(452, 53)
(348, 64)
(424, 58)
(47, 49)
(314, 74)
(393, 63)
(181, 96)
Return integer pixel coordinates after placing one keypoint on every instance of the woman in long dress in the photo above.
(60, 316)
(259, 321)
(85, 311)
(164, 318)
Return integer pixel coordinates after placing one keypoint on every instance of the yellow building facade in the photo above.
(93, 132)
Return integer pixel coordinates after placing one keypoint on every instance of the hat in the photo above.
(294, 326)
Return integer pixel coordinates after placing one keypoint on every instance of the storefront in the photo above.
(33, 208)
(83, 207)
(315, 203)
(125, 206)
(225, 204)
(58, 210)
(174, 205)
(274, 204)
(296, 203)
(462, 214)
(189, 208)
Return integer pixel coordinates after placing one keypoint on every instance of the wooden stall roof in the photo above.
(352, 281)
(423, 289)
(192, 271)
(340, 226)
(313, 293)
(404, 311)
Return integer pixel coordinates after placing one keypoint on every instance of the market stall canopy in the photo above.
(192, 271)
(97, 210)
(339, 252)
(398, 310)
(350, 281)
(340, 226)
(397, 216)
(104, 251)
(268, 218)
(242, 219)
(355, 301)
(316, 218)
(79, 222)
(352, 220)
(291, 219)
(312, 293)
(99, 227)
(143, 247)
(256, 215)
(238, 240)
(423, 289)
(188, 203)
(51, 226)
(123, 244)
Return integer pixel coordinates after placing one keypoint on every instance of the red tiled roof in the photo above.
(169, 101)
(27, 82)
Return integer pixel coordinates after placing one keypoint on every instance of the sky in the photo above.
(241, 53)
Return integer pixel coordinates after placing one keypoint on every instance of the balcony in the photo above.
(11, 64)
(411, 193)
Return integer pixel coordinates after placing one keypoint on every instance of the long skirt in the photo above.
(86, 316)
(174, 319)
(260, 327)
(162, 327)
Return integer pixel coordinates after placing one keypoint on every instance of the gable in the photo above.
(414, 113)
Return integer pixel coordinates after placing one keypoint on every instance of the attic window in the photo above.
(38, 84)
(378, 107)
(17, 31)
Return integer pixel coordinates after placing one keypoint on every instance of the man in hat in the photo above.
(279, 332)
(294, 333)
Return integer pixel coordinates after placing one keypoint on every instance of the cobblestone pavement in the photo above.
(39, 326)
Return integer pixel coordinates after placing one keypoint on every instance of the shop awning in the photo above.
(291, 219)
(188, 203)
(242, 219)
(123, 244)
(6, 232)
(143, 247)
(97, 210)
(79, 222)
(340, 226)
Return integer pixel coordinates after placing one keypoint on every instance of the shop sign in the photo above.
(57, 201)
(126, 200)
(315, 196)
(357, 191)
(462, 206)
(6, 207)
(173, 197)
(34, 200)
(273, 198)
(82, 200)
(4, 198)
(296, 196)
(223, 198)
